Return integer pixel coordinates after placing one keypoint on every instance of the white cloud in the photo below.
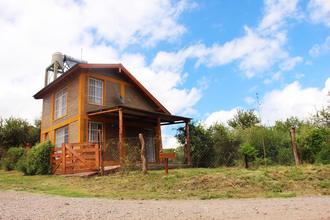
(220, 117)
(256, 51)
(319, 11)
(292, 100)
(249, 100)
(32, 30)
(319, 49)
(169, 141)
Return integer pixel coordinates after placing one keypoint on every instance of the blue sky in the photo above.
(202, 59)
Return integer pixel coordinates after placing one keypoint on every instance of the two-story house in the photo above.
(101, 102)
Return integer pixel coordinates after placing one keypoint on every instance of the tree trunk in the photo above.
(246, 162)
(143, 154)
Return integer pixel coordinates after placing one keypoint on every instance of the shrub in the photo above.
(37, 160)
(11, 158)
(248, 152)
(324, 155)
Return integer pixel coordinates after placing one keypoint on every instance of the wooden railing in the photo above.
(75, 158)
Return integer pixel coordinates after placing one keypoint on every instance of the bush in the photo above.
(37, 160)
(324, 155)
(11, 158)
(248, 152)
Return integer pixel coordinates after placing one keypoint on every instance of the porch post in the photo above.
(159, 145)
(187, 145)
(121, 137)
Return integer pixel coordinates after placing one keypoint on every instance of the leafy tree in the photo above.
(248, 152)
(225, 145)
(201, 145)
(14, 132)
(244, 119)
(322, 117)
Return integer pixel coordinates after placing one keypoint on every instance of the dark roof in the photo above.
(135, 112)
(74, 70)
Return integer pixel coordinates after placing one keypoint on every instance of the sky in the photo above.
(201, 59)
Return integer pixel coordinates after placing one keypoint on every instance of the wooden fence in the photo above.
(75, 158)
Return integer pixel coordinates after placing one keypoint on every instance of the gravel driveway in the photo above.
(23, 205)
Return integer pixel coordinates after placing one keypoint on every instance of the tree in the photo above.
(322, 117)
(244, 119)
(201, 145)
(248, 152)
(225, 145)
(15, 132)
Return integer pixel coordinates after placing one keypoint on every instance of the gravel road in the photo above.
(23, 205)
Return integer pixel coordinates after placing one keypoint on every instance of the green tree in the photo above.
(244, 119)
(225, 145)
(14, 132)
(201, 145)
(248, 152)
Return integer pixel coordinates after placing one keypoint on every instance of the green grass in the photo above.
(215, 183)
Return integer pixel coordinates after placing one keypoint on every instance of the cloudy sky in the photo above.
(202, 59)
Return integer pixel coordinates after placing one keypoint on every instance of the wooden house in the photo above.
(90, 103)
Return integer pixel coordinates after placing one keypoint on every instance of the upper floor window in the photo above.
(60, 103)
(95, 91)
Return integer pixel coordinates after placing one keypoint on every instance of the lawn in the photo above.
(198, 183)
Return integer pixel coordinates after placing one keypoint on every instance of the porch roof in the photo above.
(130, 112)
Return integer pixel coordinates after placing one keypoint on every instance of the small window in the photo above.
(93, 129)
(60, 103)
(95, 91)
(61, 136)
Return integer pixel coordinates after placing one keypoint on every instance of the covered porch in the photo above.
(122, 125)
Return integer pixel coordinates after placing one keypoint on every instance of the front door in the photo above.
(150, 145)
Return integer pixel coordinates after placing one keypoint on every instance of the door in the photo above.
(150, 145)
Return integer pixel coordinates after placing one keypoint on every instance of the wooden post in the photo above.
(99, 155)
(121, 138)
(187, 145)
(143, 154)
(159, 145)
(294, 145)
(63, 158)
(166, 165)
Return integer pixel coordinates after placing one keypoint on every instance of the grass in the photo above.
(201, 183)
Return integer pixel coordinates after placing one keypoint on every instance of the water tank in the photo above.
(59, 58)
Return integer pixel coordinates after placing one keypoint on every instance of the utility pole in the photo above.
(262, 135)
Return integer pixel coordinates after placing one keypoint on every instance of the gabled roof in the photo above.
(75, 70)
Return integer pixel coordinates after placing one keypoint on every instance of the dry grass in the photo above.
(275, 181)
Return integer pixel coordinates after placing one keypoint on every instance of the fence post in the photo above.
(294, 145)
(143, 154)
(63, 158)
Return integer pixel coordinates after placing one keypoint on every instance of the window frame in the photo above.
(64, 91)
(89, 100)
(89, 135)
(66, 141)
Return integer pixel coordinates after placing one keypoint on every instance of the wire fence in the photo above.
(132, 151)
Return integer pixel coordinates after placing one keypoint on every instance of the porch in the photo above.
(121, 126)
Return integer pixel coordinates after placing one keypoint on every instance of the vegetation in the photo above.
(219, 145)
(16, 132)
(37, 160)
(195, 183)
(12, 156)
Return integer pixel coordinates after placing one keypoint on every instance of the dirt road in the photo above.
(22, 205)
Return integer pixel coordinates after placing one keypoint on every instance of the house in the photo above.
(90, 103)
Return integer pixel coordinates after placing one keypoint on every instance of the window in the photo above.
(60, 103)
(61, 136)
(95, 91)
(93, 129)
